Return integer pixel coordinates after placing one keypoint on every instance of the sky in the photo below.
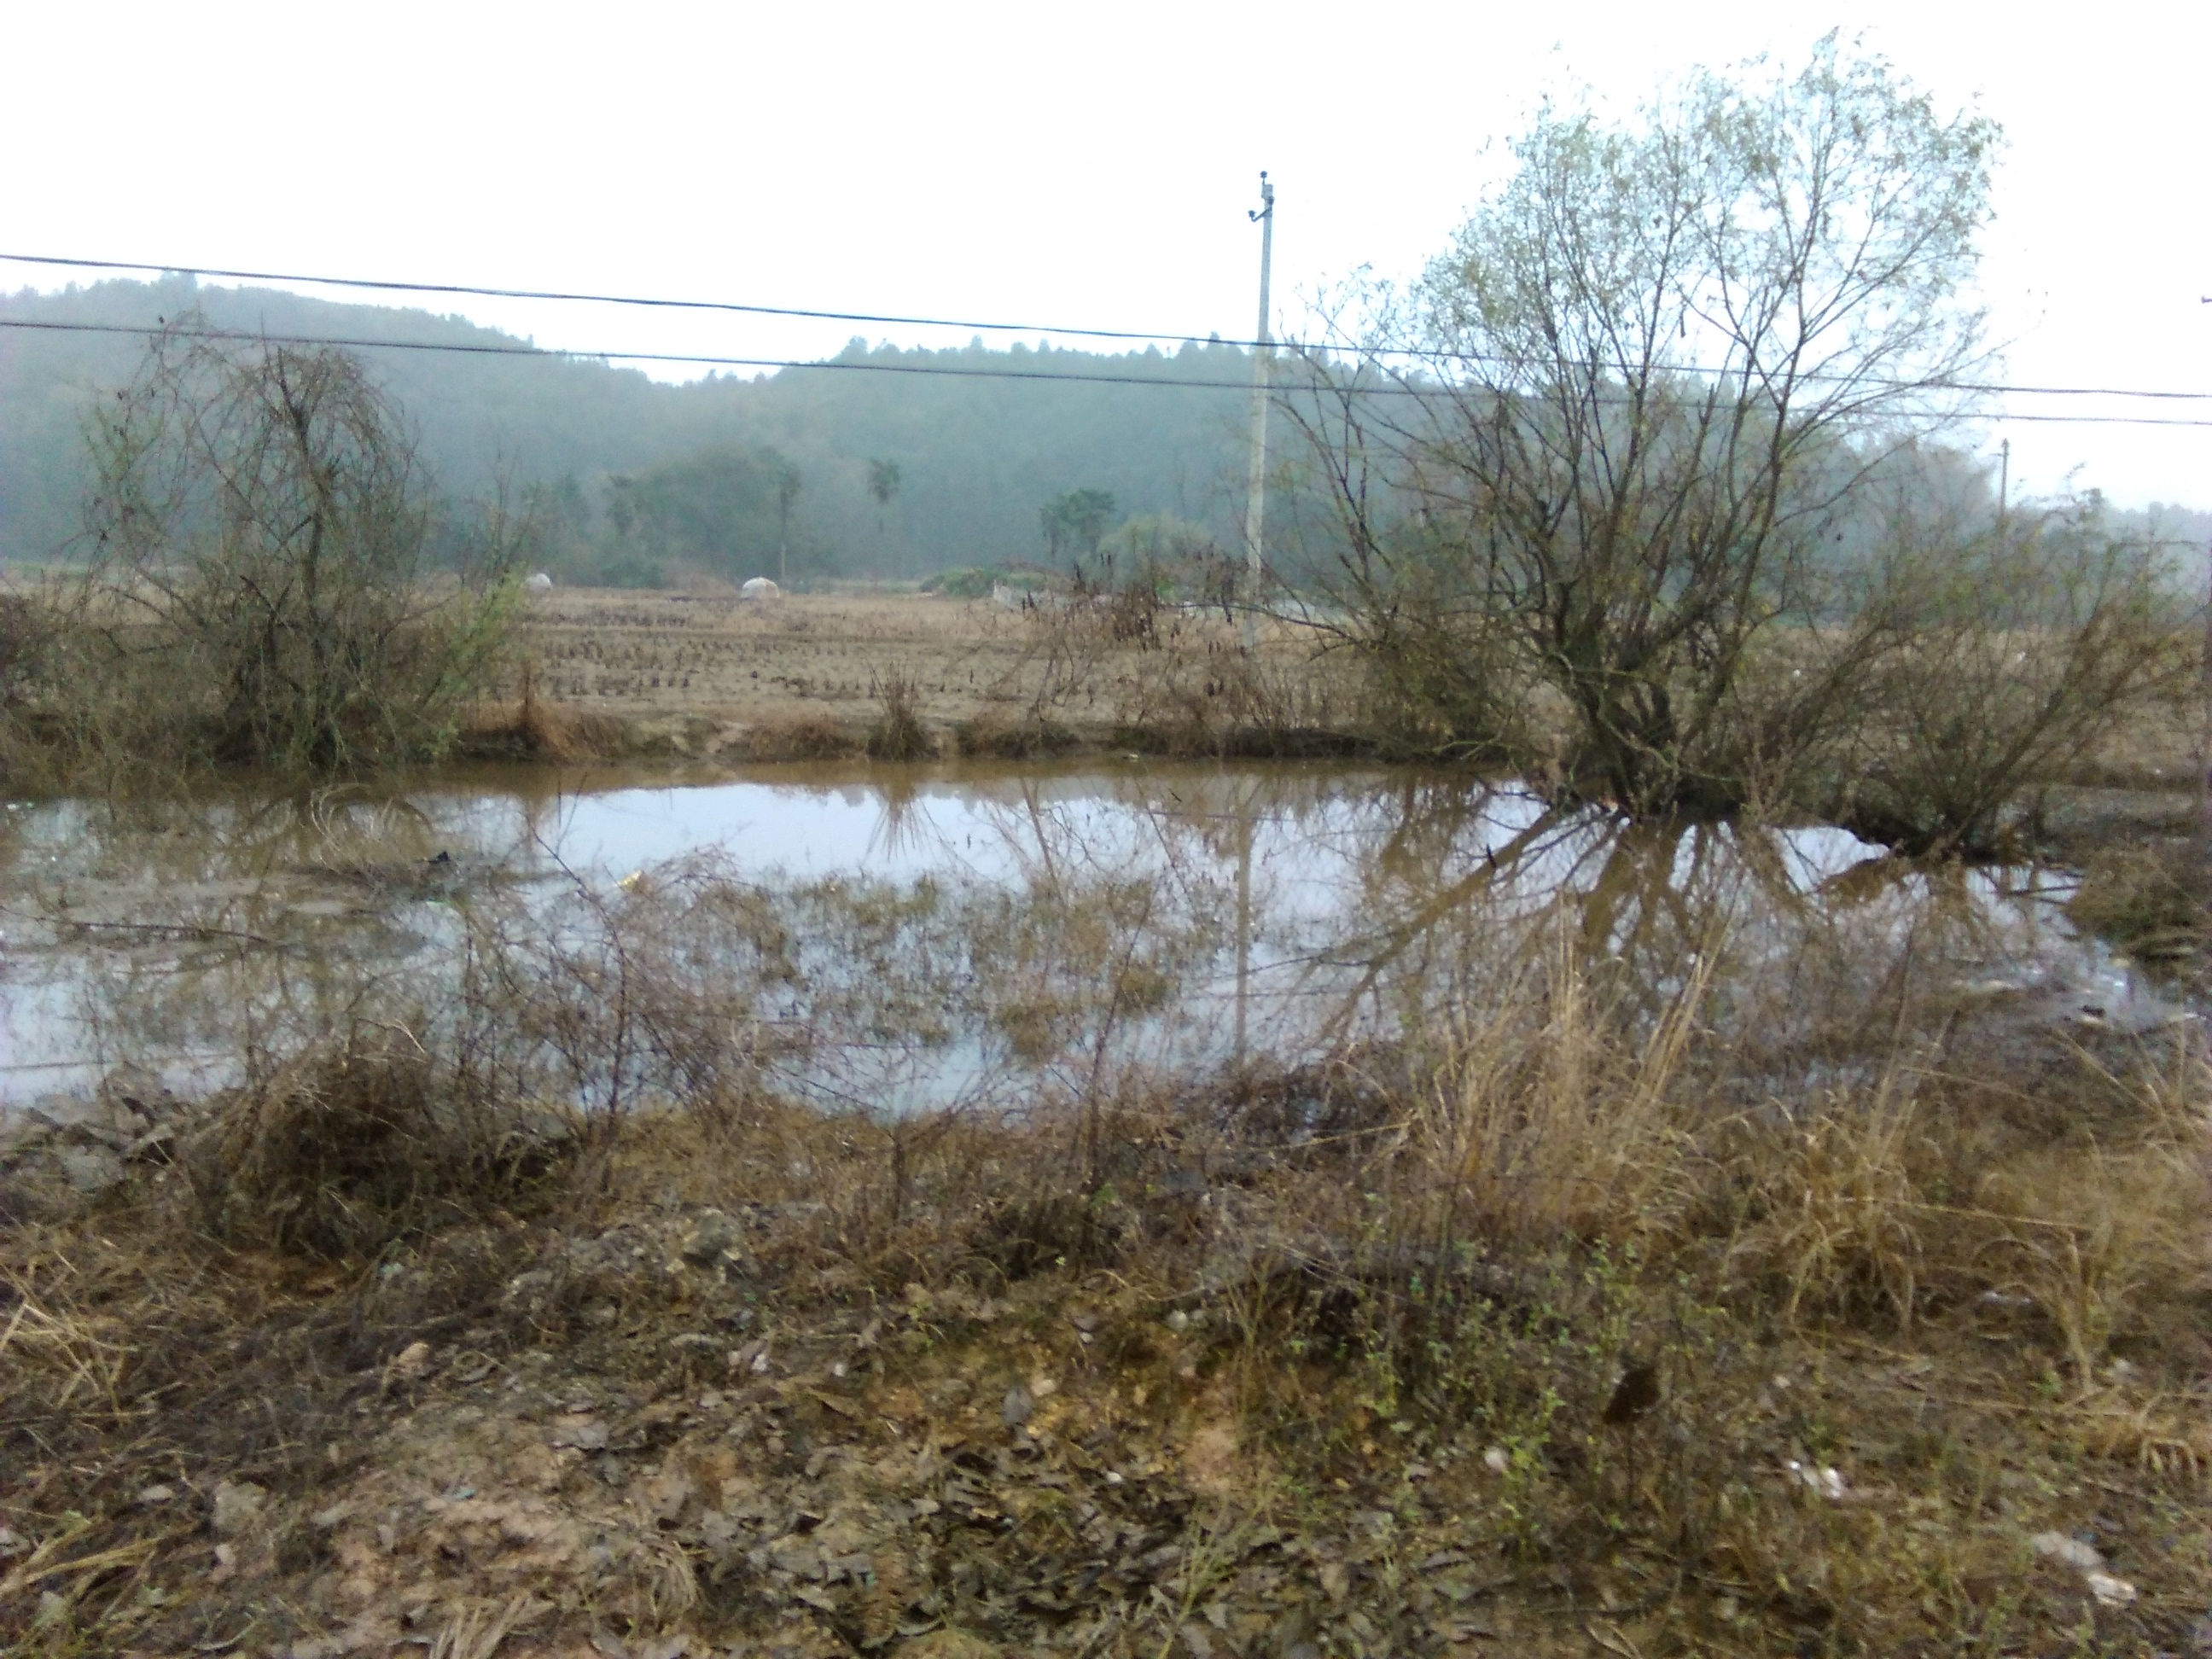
(1068, 165)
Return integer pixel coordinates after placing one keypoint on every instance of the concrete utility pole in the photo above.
(2004, 485)
(1255, 498)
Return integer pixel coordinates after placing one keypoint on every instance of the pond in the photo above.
(900, 937)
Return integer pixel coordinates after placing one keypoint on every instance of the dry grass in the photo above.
(801, 736)
(2154, 898)
(532, 729)
(898, 734)
(336, 1154)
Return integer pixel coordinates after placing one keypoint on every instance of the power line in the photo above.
(868, 365)
(609, 300)
(1305, 347)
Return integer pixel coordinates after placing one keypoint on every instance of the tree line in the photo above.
(821, 472)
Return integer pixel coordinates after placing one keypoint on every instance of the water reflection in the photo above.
(937, 933)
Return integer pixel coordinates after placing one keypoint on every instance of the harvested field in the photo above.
(801, 678)
(705, 675)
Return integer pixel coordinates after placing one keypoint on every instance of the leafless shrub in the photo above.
(261, 537)
(2155, 900)
(26, 642)
(1149, 647)
(2012, 652)
(39, 649)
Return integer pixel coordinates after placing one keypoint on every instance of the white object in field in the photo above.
(2112, 1592)
(2067, 1551)
(760, 587)
(537, 582)
(1823, 1482)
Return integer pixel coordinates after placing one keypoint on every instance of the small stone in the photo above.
(90, 1170)
(1018, 1404)
(2067, 1551)
(2111, 1591)
(149, 1496)
(712, 1235)
(410, 1364)
(1496, 1459)
(238, 1505)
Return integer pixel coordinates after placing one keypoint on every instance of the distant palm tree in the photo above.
(786, 492)
(883, 485)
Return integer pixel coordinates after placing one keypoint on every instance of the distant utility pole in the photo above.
(1255, 497)
(2204, 728)
(2004, 484)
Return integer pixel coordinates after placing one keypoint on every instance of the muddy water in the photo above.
(1271, 909)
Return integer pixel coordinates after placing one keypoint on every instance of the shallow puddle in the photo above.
(947, 932)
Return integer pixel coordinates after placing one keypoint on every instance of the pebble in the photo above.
(238, 1505)
(2112, 1592)
(2067, 1551)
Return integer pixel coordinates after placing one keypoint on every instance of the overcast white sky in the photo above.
(1065, 164)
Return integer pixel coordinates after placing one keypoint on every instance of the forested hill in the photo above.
(689, 471)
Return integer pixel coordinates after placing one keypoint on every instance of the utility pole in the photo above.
(2004, 485)
(1256, 496)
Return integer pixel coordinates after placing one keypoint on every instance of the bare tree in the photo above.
(1589, 463)
(263, 537)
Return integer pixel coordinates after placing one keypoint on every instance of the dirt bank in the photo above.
(1263, 1369)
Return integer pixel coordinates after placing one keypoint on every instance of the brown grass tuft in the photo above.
(806, 736)
(344, 1149)
(898, 734)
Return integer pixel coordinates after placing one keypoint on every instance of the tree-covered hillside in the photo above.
(634, 473)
